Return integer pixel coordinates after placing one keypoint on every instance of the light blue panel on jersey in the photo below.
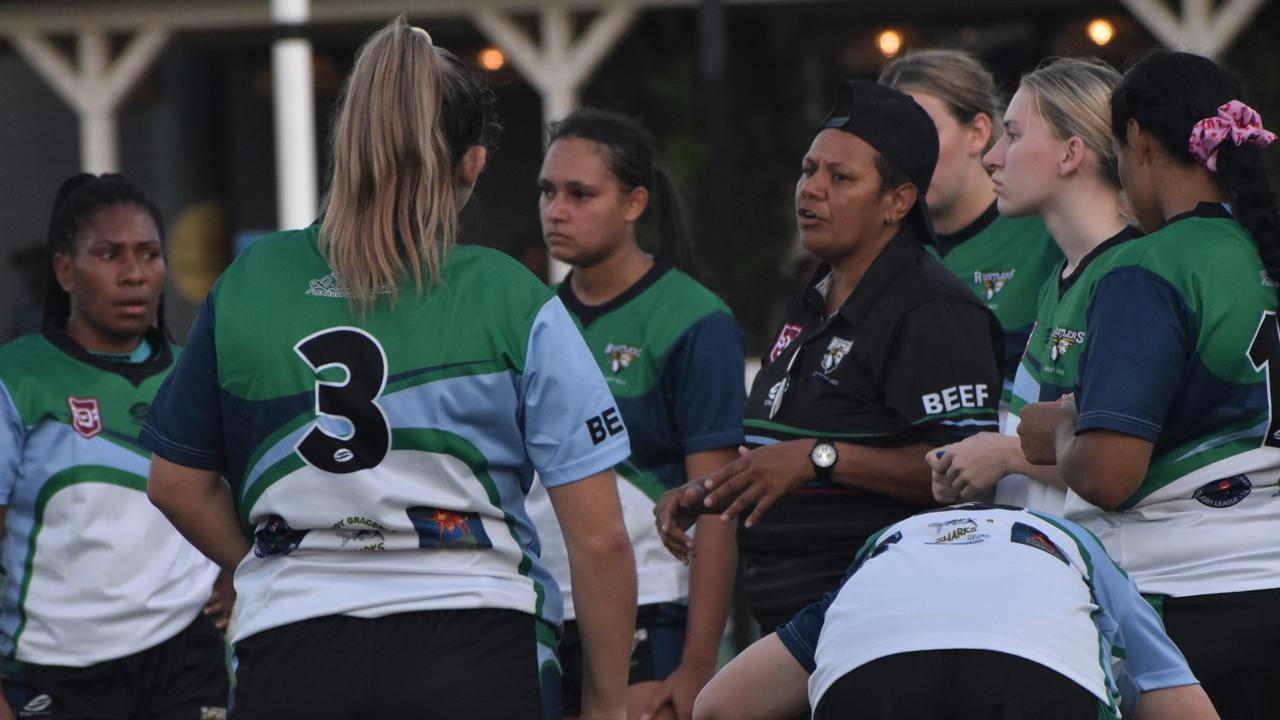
(557, 395)
(12, 435)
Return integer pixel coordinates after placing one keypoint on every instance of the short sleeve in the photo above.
(1151, 660)
(572, 425)
(1139, 339)
(943, 369)
(185, 422)
(704, 376)
(12, 439)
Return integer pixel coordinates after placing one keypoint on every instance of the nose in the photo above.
(553, 207)
(131, 271)
(995, 156)
(811, 186)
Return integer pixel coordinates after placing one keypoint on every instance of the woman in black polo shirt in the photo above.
(882, 354)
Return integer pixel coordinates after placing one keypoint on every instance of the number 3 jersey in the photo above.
(382, 462)
(92, 570)
(1182, 351)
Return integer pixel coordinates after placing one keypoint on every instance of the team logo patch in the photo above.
(439, 528)
(789, 332)
(621, 356)
(1027, 535)
(836, 350)
(85, 418)
(961, 531)
(1224, 493)
(1063, 339)
(276, 538)
(992, 282)
(360, 533)
(329, 286)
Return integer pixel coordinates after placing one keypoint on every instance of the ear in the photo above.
(898, 202)
(472, 165)
(1073, 155)
(635, 203)
(1139, 141)
(979, 134)
(62, 272)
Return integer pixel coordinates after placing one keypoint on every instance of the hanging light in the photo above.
(1100, 31)
(491, 59)
(889, 42)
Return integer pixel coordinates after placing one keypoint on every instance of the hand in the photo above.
(1038, 429)
(759, 477)
(218, 607)
(675, 513)
(971, 468)
(674, 698)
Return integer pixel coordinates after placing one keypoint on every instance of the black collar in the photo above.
(159, 362)
(588, 314)
(904, 249)
(1202, 210)
(951, 241)
(1128, 233)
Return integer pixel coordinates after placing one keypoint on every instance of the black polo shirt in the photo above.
(911, 357)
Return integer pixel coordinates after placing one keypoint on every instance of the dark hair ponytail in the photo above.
(78, 199)
(632, 154)
(1168, 93)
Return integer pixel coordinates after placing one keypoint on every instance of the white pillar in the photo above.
(558, 67)
(1201, 28)
(295, 125)
(95, 86)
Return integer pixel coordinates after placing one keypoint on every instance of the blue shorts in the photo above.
(655, 653)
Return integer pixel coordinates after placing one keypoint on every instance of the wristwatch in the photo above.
(823, 456)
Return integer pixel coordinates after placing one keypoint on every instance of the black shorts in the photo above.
(478, 663)
(182, 678)
(1229, 641)
(957, 684)
(655, 651)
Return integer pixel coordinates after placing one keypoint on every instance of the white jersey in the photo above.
(985, 577)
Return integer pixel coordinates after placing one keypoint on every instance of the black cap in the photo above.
(898, 128)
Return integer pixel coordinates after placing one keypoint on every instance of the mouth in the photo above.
(807, 217)
(133, 307)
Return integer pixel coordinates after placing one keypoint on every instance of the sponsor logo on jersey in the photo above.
(85, 417)
(329, 286)
(1063, 339)
(1224, 493)
(837, 349)
(789, 332)
(275, 537)
(961, 531)
(772, 396)
(956, 397)
(366, 534)
(605, 425)
(621, 356)
(39, 706)
(992, 282)
(138, 411)
(1027, 535)
(438, 527)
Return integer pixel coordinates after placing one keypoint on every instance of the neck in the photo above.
(1083, 216)
(93, 340)
(599, 283)
(1182, 188)
(848, 271)
(978, 195)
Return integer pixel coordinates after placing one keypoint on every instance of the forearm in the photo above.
(899, 473)
(710, 591)
(1101, 466)
(606, 615)
(1016, 463)
(200, 506)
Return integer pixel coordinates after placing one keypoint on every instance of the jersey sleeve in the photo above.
(704, 376)
(1139, 339)
(1151, 661)
(942, 372)
(12, 438)
(185, 422)
(572, 426)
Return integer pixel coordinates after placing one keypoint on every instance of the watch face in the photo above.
(823, 455)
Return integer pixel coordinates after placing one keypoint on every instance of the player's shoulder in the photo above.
(26, 358)
(272, 263)
(490, 279)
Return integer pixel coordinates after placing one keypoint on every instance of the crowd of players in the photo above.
(435, 480)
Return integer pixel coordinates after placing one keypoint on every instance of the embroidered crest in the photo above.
(836, 350)
(1063, 339)
(789, 332)
(85, 418)
(992, 282)
(621, 356)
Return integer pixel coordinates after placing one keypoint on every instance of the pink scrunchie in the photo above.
(1240, 122)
